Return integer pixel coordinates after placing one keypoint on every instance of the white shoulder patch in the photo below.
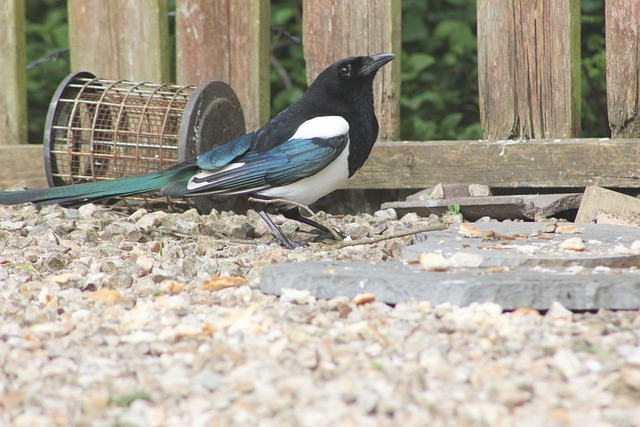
(322, 127)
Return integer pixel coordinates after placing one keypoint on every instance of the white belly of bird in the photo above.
(308, 190)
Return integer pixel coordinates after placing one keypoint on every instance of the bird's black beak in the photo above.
(374, 62)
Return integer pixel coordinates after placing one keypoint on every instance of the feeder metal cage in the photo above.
(100, 129)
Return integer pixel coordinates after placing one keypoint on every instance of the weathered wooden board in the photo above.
(623, 67)
(335, 29)
(509, 164)
(120, 39)
(227, 40)
(397, 165)
(22, 163)
(529, 68)
(13, 74)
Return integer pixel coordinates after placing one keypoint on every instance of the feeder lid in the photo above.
(213, 116)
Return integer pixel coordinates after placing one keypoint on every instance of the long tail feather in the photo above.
(78, 194)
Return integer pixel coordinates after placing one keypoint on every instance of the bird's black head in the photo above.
(350, 76)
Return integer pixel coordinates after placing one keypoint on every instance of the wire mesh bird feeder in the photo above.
(100, 129)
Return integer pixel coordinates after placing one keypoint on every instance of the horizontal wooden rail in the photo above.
(22, 163)
(393, 165)
(511, 164)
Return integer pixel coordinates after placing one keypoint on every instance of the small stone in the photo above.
(574, 244)
(512, 395)
(365, 298)
(120, 279)
(409, 218)
(145, 264)
(567, 362)
(87, 211)
(452, 219)
(356, 231)
(65, 278)
(386, 214)
(437, 192)
(558, 312)
(307, 357)
(297, 296)
(151, 220)
(479, 190)
(630, 376)
(434, 262)
(137, 215)
(57, 262)
(107, 296)
(527, 249)
(466, 260)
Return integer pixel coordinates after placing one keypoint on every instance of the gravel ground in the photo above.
(111, 319)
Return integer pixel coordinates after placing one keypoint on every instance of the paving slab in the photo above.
(605, 245)
(394, 282)
(601, 276)
(526, 207)
(600, 204)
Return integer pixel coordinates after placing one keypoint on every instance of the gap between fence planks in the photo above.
(117, 39)
(13, 73)
(335, 29)
(529, 68)
(227, 40)
(396, 165)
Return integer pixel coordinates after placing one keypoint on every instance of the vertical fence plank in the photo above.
(13, 74)
(529, 68)
(335, 29)
(120, 39)
(623, 67)
(227, 40)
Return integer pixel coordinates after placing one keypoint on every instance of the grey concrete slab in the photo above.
(606, 245)
(394, 282)
(497, 207)
(579, 280)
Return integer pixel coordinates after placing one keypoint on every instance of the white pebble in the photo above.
(297, 296)
(433, 261)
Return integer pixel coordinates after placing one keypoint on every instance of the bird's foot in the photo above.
(288, 243)
(329, 235)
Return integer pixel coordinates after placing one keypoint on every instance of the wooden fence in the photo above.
(528, 72)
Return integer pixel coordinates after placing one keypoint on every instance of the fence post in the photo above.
(623, 67)
(227, 40)
(529, 68)
(13, 74)
(335, 29)
(120, 39)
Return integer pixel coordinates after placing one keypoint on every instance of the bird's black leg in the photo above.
(295, 215)
(277, 233)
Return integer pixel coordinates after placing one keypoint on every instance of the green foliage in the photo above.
(439, 65)
(594, 96)
(47, 31)
(288, 77)
(439, 72)
(453, 209)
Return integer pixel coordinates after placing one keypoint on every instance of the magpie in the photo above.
(305, 152)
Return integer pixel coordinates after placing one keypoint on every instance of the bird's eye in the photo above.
(345, 71)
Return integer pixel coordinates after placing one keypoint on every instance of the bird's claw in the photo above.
(328, 235)
(290, 244)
